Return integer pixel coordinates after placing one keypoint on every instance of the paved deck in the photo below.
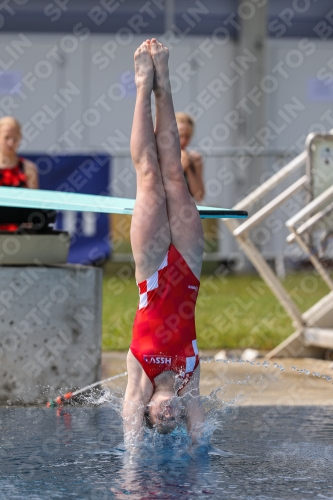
(251, 384)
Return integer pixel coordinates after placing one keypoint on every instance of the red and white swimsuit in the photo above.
(13, 177)
(164, 327)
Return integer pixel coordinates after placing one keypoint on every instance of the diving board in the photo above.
(60, 200)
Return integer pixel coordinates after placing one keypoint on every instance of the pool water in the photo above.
(77, 453)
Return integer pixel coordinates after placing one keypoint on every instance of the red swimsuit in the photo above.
(164, 328)
(12, 177)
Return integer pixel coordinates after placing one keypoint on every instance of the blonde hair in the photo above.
(9, 120)
(182, 117)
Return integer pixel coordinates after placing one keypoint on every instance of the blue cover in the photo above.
(79, 173)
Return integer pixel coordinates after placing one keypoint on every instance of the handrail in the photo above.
(272, 182)
(271, 206)
(322, 198)
(310, 222)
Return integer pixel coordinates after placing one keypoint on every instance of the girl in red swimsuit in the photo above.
(14, 171)
(167, 244)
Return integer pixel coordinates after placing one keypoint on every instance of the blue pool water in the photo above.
(77, 453)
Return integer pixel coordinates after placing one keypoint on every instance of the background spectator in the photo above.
(15, 171)
(191, 160)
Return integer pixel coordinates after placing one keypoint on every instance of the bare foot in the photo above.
(144, 68)
(160, 57)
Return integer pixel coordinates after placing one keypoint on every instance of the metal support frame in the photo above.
(308, 210)
(311, 338)
(240, 231)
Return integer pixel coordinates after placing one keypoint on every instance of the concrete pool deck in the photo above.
(282, 382)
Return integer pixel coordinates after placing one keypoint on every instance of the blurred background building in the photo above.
(257, 77)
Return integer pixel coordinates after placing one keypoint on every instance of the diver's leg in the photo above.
(150, 230)
(184, 219)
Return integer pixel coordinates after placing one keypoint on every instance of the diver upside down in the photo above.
(167, 243)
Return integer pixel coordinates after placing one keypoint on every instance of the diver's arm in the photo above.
(195, 415)
(195, 419)
(134, 402)
(133, 412)
(195, 176)
(31, 173)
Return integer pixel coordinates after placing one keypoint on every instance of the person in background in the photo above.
(191, 160)
(15, 171)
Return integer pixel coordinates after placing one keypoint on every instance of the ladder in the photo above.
(313, 333)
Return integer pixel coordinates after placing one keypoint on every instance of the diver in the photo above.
(167, 244)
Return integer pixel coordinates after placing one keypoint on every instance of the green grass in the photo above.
(232, 311)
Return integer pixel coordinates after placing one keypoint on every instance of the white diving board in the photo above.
(60, 200)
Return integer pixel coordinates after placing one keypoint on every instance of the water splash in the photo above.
(177, 443)
(217, 405)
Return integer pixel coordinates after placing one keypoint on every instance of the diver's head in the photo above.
(185, 124)
(164, 413)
